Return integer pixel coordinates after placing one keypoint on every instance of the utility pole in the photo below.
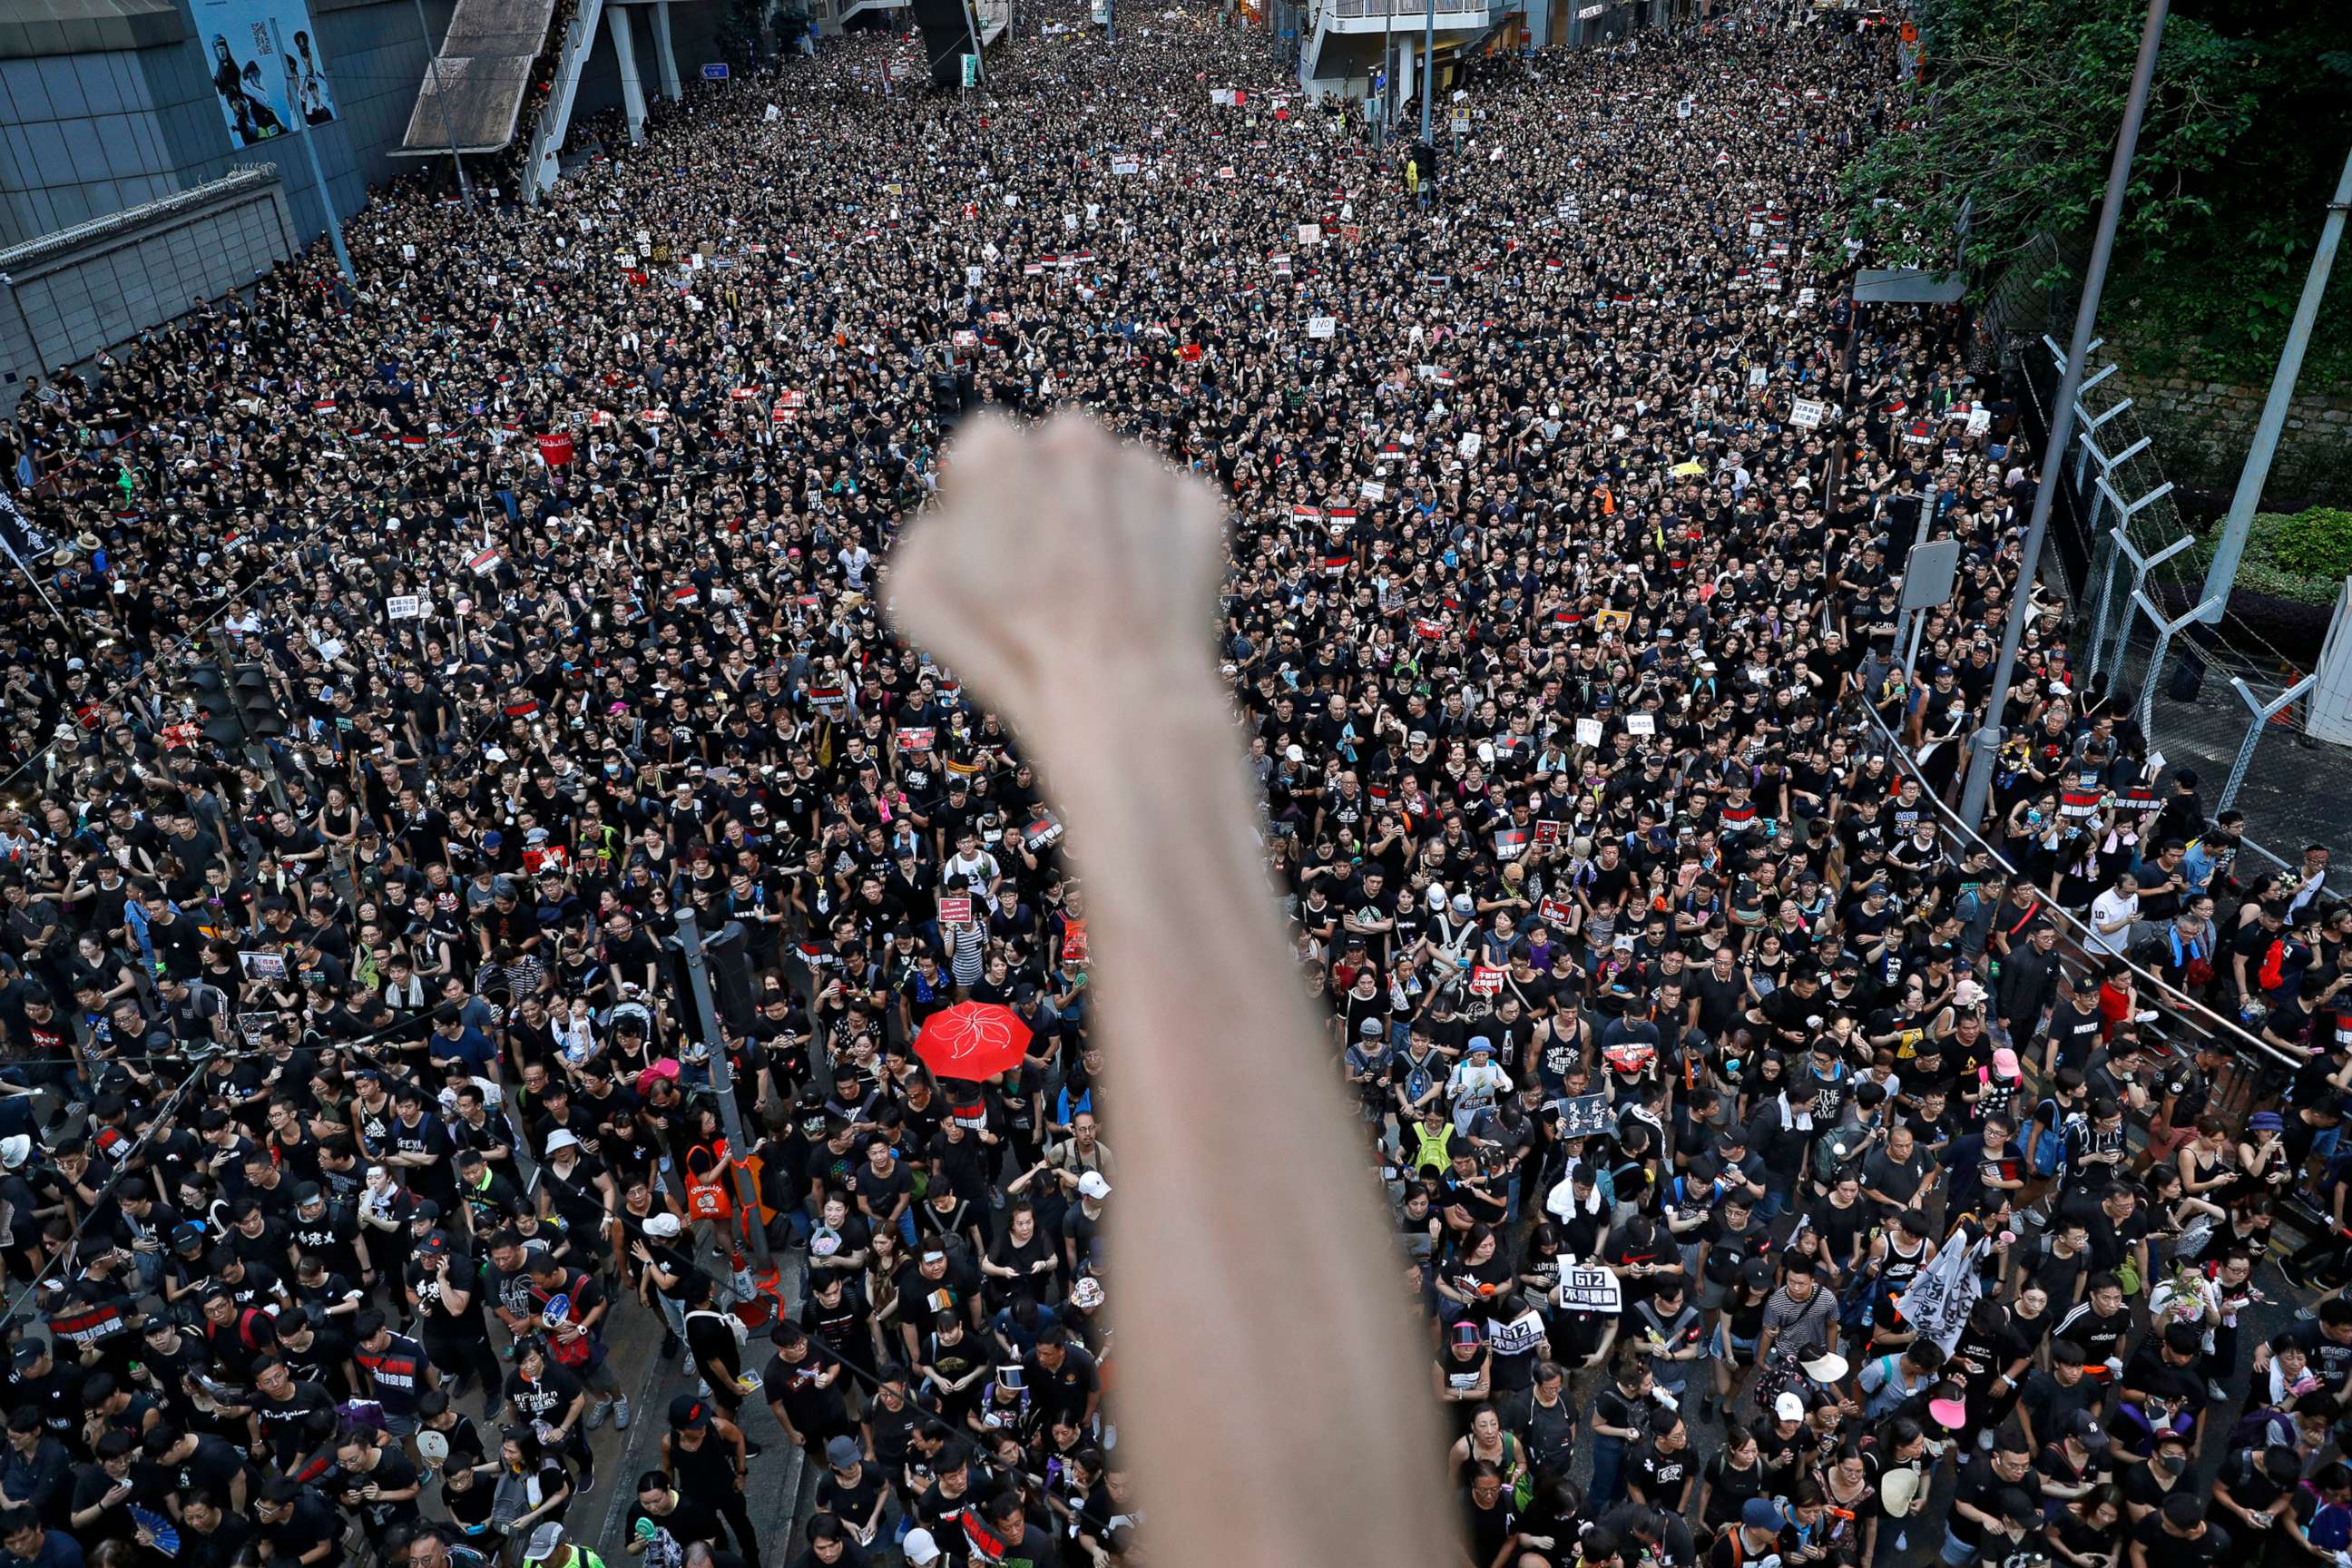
(448, 125)
(317, 174)
(1428, 69)
(1987, 740)
(2232, 547)
(722, 1076)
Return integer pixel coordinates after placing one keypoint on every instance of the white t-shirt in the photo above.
(2105, 910)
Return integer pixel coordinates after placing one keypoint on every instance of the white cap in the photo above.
(920, 1548)
(662, 1225)
(562, 1138)
(1789, 1407)
(16, 1150)
(1093, 1185)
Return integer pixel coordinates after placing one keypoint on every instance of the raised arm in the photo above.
(1071, 581)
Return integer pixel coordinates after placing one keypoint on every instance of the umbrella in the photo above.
(972, 1040)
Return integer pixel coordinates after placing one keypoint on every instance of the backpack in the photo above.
(2056, 1147)
(742, 1333)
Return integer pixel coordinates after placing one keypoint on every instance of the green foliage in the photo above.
(2304, 556)
(2315, 543)
(2246, 130)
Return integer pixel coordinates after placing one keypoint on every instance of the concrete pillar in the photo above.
(665, 53)
(632, 91)
(1405, 75)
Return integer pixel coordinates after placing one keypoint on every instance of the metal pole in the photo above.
(722, 1082)
(2231, 546)
(448, 126)
(1986, 742)
(1428, 69)
(317, 174)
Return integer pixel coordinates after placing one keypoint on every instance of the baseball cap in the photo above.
(920, 1548)
(688, 1412)
(1789, 1407)
(545, 1541)
(2004, 1063)
(842, 1453)
(2084, 1428)
(1093, 1185)
(1761, 1513)
(662, 1225)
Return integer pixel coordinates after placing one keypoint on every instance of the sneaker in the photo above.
(2294, 1275)
(598, 1411)
(2306, 1315)
(1984, 1441)
(2214, 1391)
(587, 1482)
(2147, 1016)
(752, 1450)
(621, 1413)
(671, 1346)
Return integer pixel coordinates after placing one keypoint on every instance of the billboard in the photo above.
(255, 46)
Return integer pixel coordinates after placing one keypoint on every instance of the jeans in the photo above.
(1956, 1553)
(1608, 1462)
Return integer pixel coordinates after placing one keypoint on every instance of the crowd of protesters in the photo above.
(351, 1089)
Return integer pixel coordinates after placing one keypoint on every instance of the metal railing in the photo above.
(2186, 1013)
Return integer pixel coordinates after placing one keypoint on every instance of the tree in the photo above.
(2017, 117)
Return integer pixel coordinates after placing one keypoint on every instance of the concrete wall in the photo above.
(111, 111)
(72, 293)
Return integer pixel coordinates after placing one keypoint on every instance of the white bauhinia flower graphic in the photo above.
(967, 1032)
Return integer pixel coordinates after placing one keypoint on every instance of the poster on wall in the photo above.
(255, 44)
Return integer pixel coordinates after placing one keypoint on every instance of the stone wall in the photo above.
(2202, 429)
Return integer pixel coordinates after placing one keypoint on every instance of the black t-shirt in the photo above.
(2213, 1546)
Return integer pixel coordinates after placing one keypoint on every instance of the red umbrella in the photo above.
(972, 1040)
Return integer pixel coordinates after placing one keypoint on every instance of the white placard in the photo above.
(1310, 234)
(1588, 732)
(1641, 724)
(1588, 1291)
(971, 276)
(1372, 489)
(1979, 420)
(1806, 415)
(404, 607)
(1322, 326)
(1756, 375)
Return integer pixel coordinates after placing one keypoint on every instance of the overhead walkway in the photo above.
(472, 92)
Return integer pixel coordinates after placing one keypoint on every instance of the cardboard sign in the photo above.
(1588, 1291)
(1806, 415)
(1548, 832)
(404, 607)
(262, 965)
(955, 909)
(1485, 981)
(915, 739)
(1585, 1116)
(1322, 326)
(1126, 164)
(1556, 911)
(1310, 234)
(1979, 420)
(1588, 732)
(1641, 724)
(1043, 828)
(1372, 489)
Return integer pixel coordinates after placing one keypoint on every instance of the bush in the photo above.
(2315, 543)
(2300, 556)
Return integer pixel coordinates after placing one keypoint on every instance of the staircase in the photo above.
(544, 164)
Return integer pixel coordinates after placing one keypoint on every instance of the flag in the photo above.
(485, 563)
(25, 540)
(1940, 1296)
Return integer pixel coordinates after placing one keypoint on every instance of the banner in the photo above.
(25, 541)
(555, 450)
(1941, 1296)
(1585, 1116)
(253, 47)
